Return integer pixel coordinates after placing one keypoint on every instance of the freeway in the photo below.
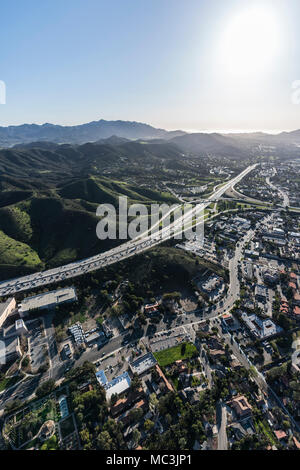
(25, 389)
(130, 248)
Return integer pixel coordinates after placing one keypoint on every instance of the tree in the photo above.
(12, 405)
(114, 399)
(148, 425)
(153, 403)
(136, 435)
(104, 441)
(136, 414)
(135, 383)
(46, 388)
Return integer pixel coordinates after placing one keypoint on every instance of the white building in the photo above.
(47, 300)
(21, 328)
(6, 308)
(142, 364)
(115, 386)
(261, 328)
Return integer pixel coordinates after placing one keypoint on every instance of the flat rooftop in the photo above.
(48, 299)
(143, 363)
(115, 386)
(4, 305)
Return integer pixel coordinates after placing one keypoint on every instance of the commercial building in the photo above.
(261, 328)
(115, 386)
(261, 293)
(10, 349)
(227, 320)
(6, 308)
(47, 300)
(248, 270)
(96, 337)
(142, 364)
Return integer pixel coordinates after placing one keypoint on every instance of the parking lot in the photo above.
(165, 340)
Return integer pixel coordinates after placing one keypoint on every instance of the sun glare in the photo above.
(250, 41)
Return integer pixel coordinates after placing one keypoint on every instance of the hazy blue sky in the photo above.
(170, 63)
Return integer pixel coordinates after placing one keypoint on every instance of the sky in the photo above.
(197, 65)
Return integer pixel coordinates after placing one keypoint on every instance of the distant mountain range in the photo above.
(115, 133)
(90, 132)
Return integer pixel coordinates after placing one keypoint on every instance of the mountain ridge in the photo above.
(82, 133)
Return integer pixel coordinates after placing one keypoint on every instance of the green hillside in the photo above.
(47, 223)
(13, 252)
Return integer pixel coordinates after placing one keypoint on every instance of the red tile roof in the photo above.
(296, 311)
(296, 442)
(162, 375)
(280, 434)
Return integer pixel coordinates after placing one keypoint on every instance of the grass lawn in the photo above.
(48, 411)
(168, 356)
(265, 428)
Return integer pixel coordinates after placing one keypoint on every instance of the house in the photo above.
(293, 277)
(297, 298)
(281, 435)
(151, 308)
(216, 353)
(241, 406)
(180, 366)
(284, 306)
(234, 363)
(296, 313)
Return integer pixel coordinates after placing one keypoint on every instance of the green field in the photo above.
(168, 356)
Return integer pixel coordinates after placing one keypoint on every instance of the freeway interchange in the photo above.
(128, 249)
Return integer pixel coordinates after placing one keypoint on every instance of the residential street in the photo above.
(221, 424)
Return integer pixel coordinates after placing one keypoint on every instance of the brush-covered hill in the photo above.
(49, 197)
(37, 160)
